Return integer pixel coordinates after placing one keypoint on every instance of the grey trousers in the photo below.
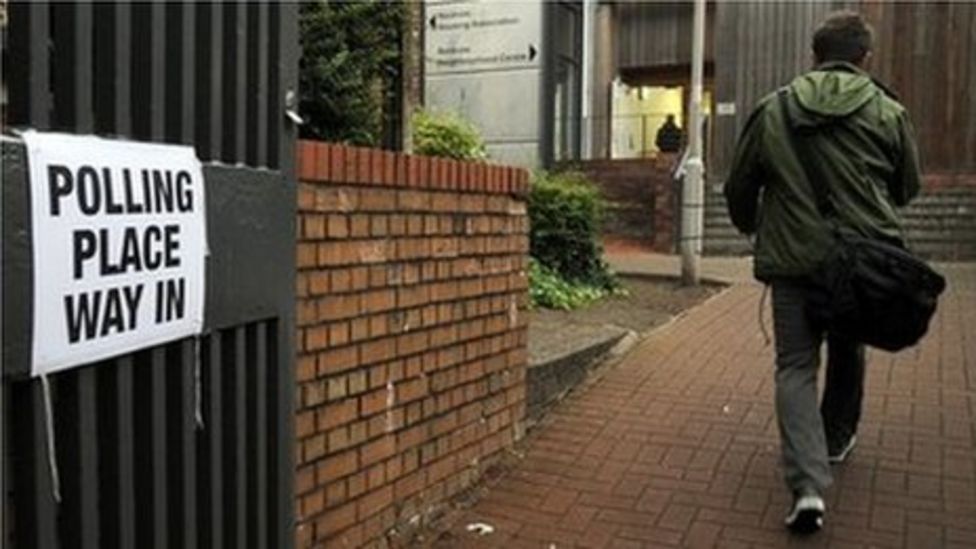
(805, 431)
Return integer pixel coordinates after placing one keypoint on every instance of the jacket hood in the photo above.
(832, 90)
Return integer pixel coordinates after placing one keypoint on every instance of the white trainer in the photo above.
(807, 514)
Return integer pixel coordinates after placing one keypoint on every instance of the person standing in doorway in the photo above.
(863, 145)
(669, 136)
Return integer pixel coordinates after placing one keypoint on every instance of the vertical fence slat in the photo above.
(290, 53)
(87, 472)
(158, 54)
(189, 71)
(261, 110)
(182, 445)
(281, 386)
(123, 475)
(241, 89)
(142, 446)
(84, 68)
(210, 480)
(240, 435)
(207, 79)
(140, 70)
(280, 466)
(280, 346)
(39, 67)
(250, 47)
(258, 395)
(34, 512)
(174, 45)
(5, 465)
(233, 495)
(66, 411)
(257, 83)
(30, 78)
(216, 81)
(281, 393)
(159, 456)
(123, 69)
(275, 99)
(44, 510)
(228, 48)
(103, 92)
(72, 62)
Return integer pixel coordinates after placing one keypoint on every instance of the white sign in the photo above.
(725, 109)
(119, 242)
(482, 35)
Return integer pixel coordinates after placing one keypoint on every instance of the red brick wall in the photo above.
(641, 200)
(411, 334)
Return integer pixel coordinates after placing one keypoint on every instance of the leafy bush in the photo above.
(446, 135)
(548, 289)
(566, 212)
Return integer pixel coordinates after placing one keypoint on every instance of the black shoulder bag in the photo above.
(869, 290)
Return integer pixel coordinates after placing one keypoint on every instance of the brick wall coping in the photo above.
(335, 163)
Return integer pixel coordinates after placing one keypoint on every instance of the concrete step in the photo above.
(962, 237)
(940, 251)
(940, 225)
(962, 234)
(933, 245)
(947, 252)
(915, 221)
(722, 231)
(726, 249)
(914, 218)
(964, 197)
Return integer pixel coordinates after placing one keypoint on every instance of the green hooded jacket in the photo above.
(863, 142)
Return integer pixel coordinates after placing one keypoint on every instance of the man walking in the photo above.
(859, 139)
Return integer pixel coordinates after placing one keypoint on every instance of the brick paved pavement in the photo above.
(677, 446)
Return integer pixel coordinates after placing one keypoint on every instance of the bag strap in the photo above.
(811, 169)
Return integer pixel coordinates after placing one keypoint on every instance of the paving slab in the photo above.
(676, 445)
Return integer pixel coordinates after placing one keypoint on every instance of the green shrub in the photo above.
(350, 54)
(566, 212)
(446, 135)
(548, 289)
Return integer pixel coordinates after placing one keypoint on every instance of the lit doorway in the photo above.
(639, 111)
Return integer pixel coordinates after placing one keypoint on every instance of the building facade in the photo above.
(923, 50)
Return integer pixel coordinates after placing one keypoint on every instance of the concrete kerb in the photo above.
(585, 365)
(550, 380)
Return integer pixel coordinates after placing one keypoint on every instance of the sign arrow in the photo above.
(532, 52)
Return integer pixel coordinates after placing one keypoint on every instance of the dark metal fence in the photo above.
(136, 467)
(212, 74)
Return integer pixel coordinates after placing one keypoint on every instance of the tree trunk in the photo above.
(413, 66)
